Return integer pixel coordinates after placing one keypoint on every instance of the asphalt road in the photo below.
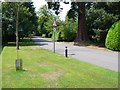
(102, 58)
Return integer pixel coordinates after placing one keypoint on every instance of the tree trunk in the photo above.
(17, 38)
(81, 33)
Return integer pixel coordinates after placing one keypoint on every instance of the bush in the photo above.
(59, 36)
(113, 37)
(50, 35)
(43, 35)
(67, 31)
(100, 35)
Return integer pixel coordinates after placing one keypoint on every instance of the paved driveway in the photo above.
(106, 59)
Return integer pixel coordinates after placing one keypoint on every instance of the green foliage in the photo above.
(44, 11)
(67, 30)
(77, 9)
(99, 36)
(54, 6)
(43, 36)
(49, 26)
(45, 21)
(110, 7)
(73, 12)
(27, 18)
(98, 22)
(99, 15)
(113, 37)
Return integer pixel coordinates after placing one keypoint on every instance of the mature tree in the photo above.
(27, 19)
(67, 30)
(30, 24)
(99, 19)
(8, 20)
(79, 9)
(109, 7)
(48, 26)
(82, 33)
(45, 16)
(98, 22)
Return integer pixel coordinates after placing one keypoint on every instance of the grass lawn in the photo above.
(44, 69)
(0, 70)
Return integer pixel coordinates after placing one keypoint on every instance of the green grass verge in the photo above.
(44, 69)
(0, 71)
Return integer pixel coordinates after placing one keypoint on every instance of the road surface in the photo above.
(102, 58)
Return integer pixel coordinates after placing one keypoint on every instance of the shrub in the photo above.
(67, 31)
(50, 35)
(58, 36)
(100, 35)
(113, 37)
(43, 35)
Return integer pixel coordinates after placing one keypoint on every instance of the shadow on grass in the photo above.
(27, 42)
(23, 42)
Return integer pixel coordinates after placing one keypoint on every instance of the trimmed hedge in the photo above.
(113, 37)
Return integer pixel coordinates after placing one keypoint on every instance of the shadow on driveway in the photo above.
(40, 40)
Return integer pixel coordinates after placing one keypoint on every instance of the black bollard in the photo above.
(66, 52)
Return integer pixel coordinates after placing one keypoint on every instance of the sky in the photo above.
(40, 3)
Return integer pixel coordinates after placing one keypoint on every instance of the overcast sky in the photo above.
(39, 3)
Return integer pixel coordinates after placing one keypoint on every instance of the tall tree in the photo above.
(79, 9)
(109, 7)
(44, 15)
(27, 19)
(82, 33)
(100, 16)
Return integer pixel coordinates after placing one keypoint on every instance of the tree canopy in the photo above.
(79, 9)
(27, 19)
(85, 21)
(45, 20)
